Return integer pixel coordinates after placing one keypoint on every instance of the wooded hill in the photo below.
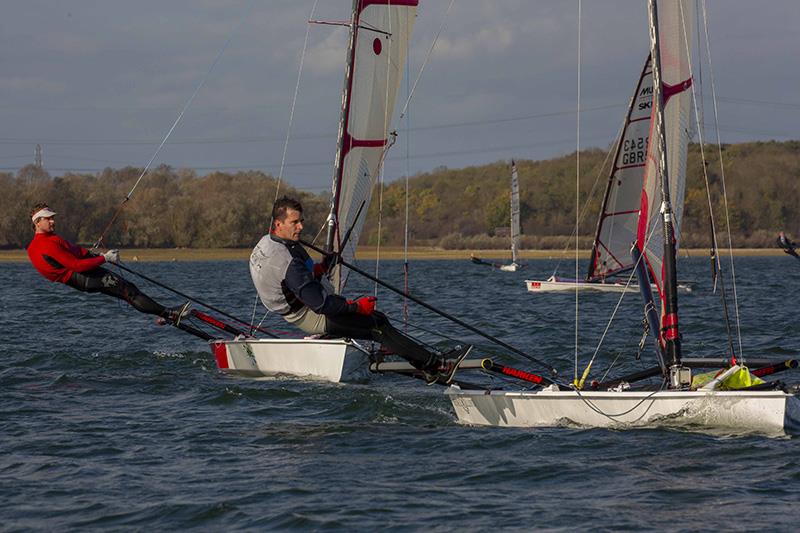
(451, 208)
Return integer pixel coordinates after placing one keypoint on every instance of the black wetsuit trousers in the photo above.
(376, 327)
(107, 282)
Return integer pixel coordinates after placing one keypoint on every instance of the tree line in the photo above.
(451, 208)
(169, 208)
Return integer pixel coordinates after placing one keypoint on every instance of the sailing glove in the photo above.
(111, 256)
(364, 305)
(325, 266)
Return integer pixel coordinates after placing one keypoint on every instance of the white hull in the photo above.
(565, 286)
(334, 360)
(758, 411)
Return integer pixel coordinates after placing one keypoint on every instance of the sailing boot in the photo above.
(174, 315)
(446, 366)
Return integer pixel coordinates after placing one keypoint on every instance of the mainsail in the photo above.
(380, 33)
(515, 229)
(619, 214)
(674, 29)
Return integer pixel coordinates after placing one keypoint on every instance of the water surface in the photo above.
(111, 422)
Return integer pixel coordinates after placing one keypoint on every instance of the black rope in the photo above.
(435, 310)
(193, 299)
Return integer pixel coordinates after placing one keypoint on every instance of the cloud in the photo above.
(327, 56)
(40, 85)
(492, 40)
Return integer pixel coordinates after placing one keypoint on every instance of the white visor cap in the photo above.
(42, 213)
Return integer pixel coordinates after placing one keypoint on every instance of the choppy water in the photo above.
(110, 422)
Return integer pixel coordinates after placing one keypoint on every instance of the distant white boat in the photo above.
(558, 284)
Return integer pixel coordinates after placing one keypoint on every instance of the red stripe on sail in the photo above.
(641, 230)
(351, 142)
(672, 90)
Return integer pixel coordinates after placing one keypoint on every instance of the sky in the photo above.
(100, 84)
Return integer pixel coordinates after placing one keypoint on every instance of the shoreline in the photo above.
(388, 253)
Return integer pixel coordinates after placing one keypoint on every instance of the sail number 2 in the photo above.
(634, 150)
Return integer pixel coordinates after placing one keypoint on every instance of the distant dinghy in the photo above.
(515, 229)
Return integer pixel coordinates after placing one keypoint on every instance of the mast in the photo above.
(669, 319)
(332, 221)
(515, 231)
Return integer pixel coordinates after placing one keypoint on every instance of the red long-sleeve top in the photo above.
(56, 258)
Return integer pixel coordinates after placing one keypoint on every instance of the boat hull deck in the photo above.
(560, 286)
(759, 411)
(334, 360)
(564, 286)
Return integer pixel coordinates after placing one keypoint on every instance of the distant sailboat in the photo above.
(617, 223)
(786, 244)
(514, 227)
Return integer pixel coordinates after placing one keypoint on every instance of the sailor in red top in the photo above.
(59, 260)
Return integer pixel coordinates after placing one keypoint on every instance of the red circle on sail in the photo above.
(377, 46)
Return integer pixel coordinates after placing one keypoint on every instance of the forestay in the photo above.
(619, 215)
(675, 18)
(379, 42)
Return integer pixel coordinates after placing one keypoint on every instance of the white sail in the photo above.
(381, 31)
(675, 25)
(619, 214)
(515, 229)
